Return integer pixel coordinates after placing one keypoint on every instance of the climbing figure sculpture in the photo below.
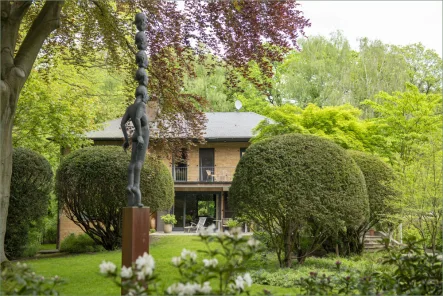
(137, 114)
(140, 141)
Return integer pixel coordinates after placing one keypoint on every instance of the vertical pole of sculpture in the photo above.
(136, 217)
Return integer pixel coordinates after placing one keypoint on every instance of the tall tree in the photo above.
(411, 123)
(425, 67)
(377, 68)
(320, 72)
(406, 120)
(57, 108)
(236, 31)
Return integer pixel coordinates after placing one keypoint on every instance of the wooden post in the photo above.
(135, 236)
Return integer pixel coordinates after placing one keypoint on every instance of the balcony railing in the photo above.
(203, 174)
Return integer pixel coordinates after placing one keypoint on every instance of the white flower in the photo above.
(210, 262)
(239, 283)
(190, 289)
(191, 254)
(206, 288)
(248, 279)
(176, 261)
(253, 243)
(184, 253)
(172, 289)
(107, 267)
(145, 271)
(126, 272)
(181, 289)
(208, 230)
(236, 233)
(145, 261)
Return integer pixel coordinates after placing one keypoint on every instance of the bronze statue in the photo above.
(141, 76)
(140, 141)
(141, 59)
(140, 21)
(137, 114)
(141, 40)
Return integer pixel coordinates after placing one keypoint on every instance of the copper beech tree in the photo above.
(179, 37)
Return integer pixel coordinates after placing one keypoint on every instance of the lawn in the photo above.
(82, 273)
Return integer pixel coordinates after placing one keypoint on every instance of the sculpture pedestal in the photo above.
(135, 235)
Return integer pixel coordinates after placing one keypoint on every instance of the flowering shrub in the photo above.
(225, 256)
(19, 279)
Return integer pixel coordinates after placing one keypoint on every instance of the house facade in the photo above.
(202, 175)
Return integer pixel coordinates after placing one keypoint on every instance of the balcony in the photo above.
(203, 174)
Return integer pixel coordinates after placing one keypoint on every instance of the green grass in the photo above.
(83, 278)
(47, 247)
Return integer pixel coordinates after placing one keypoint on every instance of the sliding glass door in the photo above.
(190, 206)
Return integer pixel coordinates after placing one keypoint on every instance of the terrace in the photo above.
(211, 174)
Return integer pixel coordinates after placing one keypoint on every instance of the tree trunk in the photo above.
(14, 73)
(5, 171)
(289, 245)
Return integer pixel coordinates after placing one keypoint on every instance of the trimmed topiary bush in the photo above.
(31, 184)
(379, 178)
(296, 186)
(91, 183)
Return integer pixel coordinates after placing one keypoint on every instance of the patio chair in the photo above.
(210, 176)
(200, 225)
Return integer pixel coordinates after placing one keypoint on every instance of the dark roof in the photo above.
(227, 126)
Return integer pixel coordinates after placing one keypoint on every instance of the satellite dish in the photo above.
(238, 105)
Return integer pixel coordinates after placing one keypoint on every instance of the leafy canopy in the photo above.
(340, 124)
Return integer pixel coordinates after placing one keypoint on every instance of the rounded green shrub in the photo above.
(31, 184)
(298, 184)
(379, 178)
(91, 183)
(81, 243)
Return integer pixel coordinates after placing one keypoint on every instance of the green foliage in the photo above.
(232, 223)
(81, 243)
(90, 185)
(406, 120)
(320, 73)
(425, 67)
(340, 124)
(377, 68)
(19, 279)
(209, 83)
(420, 207)
(411, 123)
(31, 184)
(380, 185)
(296, 185)
(414, 273)
(379, 178)
(169, 219)
(57, 108)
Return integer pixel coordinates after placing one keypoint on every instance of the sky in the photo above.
(392, 22)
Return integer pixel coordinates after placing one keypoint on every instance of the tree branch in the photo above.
(11, 18)
(47, 21)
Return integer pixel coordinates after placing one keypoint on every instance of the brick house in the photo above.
(203, 175)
